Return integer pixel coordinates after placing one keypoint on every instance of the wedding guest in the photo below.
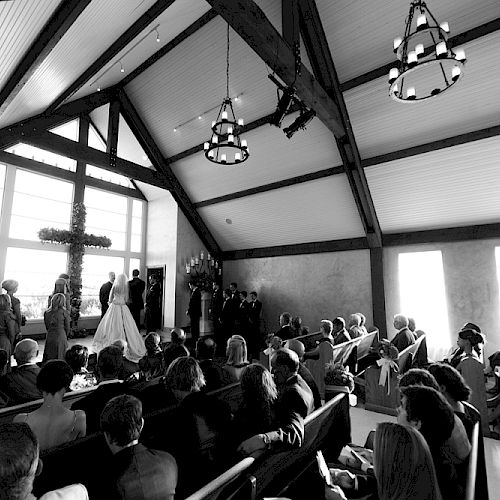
(152, 364)
(176, 348)
(354, 326)
(326, 329)
(362, 326)
(57, 323)
(403, 338)
(236, 357)
(285, 332)
(213, 372)
(60, 287)
(11, 286)
(340, 334)
(152, 312)
(7, 331)
(77, 358)
(128, 367)
(52, 423)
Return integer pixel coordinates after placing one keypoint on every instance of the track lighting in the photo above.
(306, 115)
(283, 105)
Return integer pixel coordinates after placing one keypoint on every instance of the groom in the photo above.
(104, 293)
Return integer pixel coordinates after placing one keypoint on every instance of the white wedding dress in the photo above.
(118, 323)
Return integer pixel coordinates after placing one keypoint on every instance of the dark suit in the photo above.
(227, 321)
(141, 473)
(256, 342)
(214, 375)
(242, 318)
(341, 337)
(94, 403)
(20, 384)
(152, 316)
(294, 403)
(216, 302)
(309, 380)
(403, 339)
(104, 296)
(136, 288)
(285, 333)
(194, 312)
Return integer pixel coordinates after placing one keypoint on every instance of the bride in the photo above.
(118, 323)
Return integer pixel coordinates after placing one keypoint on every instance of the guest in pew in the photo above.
(326, 329)
(109, 366)
(340, 334)
(236, 358)
(354, 326)
(457, 353)
(19, 386)
(77, 358)
(285, 332)
(152, 365)
(362, 326)
(19, 464)
(52, 423)
(255, 414)
(403, 338)
(128, 367)
(57, 323)
(176, 348)
(7, 331)
(297, 328)
(298, 348)
(404, 468)
(426, 409)
(137, 472)
(213, 372)
(295, 402)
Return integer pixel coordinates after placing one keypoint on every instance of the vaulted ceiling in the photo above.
(404, 168)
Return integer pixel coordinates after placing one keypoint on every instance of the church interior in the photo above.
(336, 187)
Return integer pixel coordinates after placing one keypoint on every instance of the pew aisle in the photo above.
(363, 421)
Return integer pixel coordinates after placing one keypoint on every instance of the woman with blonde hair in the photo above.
(57, 323)
(118, 323)
(236, 358)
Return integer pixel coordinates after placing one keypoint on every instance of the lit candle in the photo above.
(230, 139)
(223, 158)
(230, 129)
(419, 49)
(220, 272)
(202, 255)
(445, 27)
(224, 116)
(208, 256)
(455, 73)
(459, 54)
(216, 264)
(237, 157)
(213, 124)
(206, 145)
(441, 49)
(215, 139)
(240, 122)
(412, 58)
(393, 74)
(196, 260)
(421, 22)
(244, 144)
(212, 262)
(397, 43)
(410, 93)
(188, 270)
(211, 154)
(192, 261)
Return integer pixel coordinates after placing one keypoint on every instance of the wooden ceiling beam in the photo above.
(128, 36)
(56, 27)
(251, 24)
(290, 22)
(142, 134)
(322, 63)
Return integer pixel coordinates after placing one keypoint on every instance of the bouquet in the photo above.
(386, 350)
(338, 374)
(387, 362)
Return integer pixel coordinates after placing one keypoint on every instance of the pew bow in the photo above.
(386, 365)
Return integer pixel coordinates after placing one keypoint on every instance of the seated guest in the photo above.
(236, 358)
(457, 353)
(109, 365)
(354, 326)
(404, 468)
(298, 348)
(128, 367)
(77, 358)
(326, 329)
(340, 334)
(52, 423)
(152, 364)
(184, 376)
(214, 375)
(285, 332)
(426, 409)
(137, 472)
(297, 328)
(295, 401)
(176, 348)
(362, 326)
(19, 386)
(255, 413)
(403, 338)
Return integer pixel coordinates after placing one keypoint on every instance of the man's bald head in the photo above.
(26, 351)
(296, 346)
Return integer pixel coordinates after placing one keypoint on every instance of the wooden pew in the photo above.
(471, 491)
(377, 398)
(275, 473)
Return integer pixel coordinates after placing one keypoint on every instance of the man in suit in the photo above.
(295, 402)
(19, 386)
(235, 293)
(152, 315)
(109, 364)
(104, 293)
(404, 338)
(242, 316)
(137, 472)
(216, 302)
(254, 311)
(214, 374)
(194, 310)
(226, 319)
(285, 332)
(340, 334)
(136, 288)
(176, 348)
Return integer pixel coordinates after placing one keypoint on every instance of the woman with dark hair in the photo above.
(457, 353)
(52, 423)
(151, 365)
(11, 286)
(77, 358)
(57, 323)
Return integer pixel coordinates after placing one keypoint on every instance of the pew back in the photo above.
(470, 485)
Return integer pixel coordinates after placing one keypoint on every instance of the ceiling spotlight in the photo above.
(283, 105)
(122, 69)
(300, 123)
(157, 35)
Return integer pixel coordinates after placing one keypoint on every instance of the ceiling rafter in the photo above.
(251, 24)
(142, 134)
(59, 23)
(324, 69)
(290, 22)
(137, 27)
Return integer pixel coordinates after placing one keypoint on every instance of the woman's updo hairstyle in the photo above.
(474, 337)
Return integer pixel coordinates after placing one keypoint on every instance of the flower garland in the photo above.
(338, 374)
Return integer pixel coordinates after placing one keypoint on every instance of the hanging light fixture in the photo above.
(225, 146)
(426, 66)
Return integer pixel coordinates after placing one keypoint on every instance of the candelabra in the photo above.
(204, 270)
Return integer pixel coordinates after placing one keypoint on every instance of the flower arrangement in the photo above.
(388, 355)
(338, 374)
(387, 350)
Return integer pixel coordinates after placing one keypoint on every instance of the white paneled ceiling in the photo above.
(190, 82)
(456, 186)
(360, 34)
(312, 211)
(273, 157)
(94, 31)
(382, 125)
(172, 21)
(20, 23)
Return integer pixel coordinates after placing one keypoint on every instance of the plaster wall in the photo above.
(471, 286)
(313, 286)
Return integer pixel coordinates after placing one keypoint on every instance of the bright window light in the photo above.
(43, 156)
(423, 297)
(68, 130)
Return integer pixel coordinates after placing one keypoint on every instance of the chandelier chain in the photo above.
(227, 64)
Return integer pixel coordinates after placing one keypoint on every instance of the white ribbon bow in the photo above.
(386, 365)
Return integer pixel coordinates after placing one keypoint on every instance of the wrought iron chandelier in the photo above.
(426, 66)
(225, 146)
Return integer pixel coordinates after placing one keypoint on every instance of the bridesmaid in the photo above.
(11, 286)
(57, 322)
